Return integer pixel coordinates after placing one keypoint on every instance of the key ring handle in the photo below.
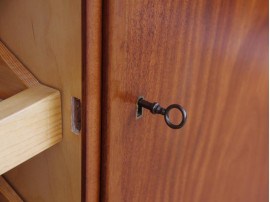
(167, 119)
(155, 108)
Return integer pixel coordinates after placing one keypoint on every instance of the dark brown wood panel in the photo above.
(91, 86)
(212, 58)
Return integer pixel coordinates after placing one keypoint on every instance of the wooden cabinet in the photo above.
(209, 56)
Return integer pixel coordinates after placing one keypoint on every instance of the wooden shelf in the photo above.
(30, 113)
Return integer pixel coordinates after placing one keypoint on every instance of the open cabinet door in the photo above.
(209, 56)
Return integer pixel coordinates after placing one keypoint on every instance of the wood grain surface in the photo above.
(14, 77)
(46, 37)
(30, 122)
(91, 103)
(30, 115)
(7, 193)
(212, 58)
(10, 84)
(16, 66)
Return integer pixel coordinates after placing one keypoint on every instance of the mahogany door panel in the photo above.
(209, 56)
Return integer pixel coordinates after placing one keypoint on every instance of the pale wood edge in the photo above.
(17, 67)
(33, 128)
(7, 191)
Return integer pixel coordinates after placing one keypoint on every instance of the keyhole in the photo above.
(139, 109)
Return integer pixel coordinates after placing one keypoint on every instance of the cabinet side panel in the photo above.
(46, 37)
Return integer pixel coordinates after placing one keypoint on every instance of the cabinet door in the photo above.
(209, 56)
